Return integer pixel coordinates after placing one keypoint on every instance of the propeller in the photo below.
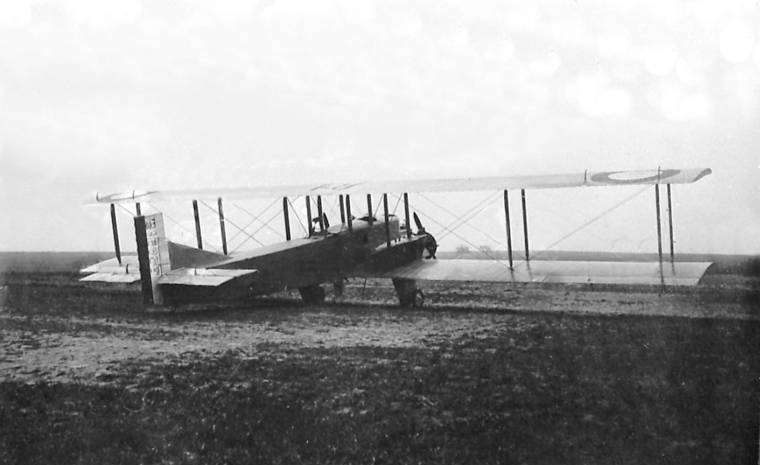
(325, 221)
(420, 228)
(431, 245)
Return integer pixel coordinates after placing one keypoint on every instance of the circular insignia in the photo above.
(632, 177)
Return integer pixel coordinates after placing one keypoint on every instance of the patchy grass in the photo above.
(511, 387)
(560, 390)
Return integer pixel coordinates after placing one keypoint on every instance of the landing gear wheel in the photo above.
(418, 298)
(409, 295)
(313, 294)
(338, 288)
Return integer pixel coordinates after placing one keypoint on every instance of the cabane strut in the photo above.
(115, 229)
(286, 217)
(509, 228)
(221, 225)
(525, 224)
(197, 224)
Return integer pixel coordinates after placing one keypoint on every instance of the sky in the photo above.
(113, 96)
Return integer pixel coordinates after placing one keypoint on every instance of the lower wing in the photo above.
(546, 271)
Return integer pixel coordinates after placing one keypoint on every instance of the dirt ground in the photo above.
(484, 374)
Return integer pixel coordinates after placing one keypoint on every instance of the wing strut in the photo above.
(308, 216)
(369, 208)
(659, 226)
(525, 224)
(321, 217)
(286, 217)
(509, 228)
(385, 216)
(670, 226)
(115, 233)
(221, 225)
(406, 216)
(197, 225)
(348, 213)
(342, 210)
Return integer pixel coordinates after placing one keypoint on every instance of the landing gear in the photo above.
(408, 293)
(313, 294)
(418, 298)
(338, 287)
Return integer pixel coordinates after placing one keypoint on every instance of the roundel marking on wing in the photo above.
(627, 177)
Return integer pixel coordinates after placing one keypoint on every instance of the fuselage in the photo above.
(327, 256)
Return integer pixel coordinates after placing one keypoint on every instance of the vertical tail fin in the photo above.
(152, 254)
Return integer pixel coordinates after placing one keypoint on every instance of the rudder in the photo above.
(152, 255)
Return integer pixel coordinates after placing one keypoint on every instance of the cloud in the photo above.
(679, 105)
(101, 15)
(737, 42)
(165, 94)
(597, 96)
(15, 14)
(660, 57)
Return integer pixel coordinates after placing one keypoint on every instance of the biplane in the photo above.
(366, 245)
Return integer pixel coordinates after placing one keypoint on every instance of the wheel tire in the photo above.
(313, 294)
(418, 298)
(320, 297)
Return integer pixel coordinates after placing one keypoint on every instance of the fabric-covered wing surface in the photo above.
(111, 271)
(587, 178)
(129, 272)
(546, 271)
(203, 276)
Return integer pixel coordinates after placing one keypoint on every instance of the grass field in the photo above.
(87, 377)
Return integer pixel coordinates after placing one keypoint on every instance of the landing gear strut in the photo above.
(408, 293)
(338, 287)
(313, 294)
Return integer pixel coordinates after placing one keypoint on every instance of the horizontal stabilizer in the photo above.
(111, 271)
(112, 278)
(546, 271)
(203, 276)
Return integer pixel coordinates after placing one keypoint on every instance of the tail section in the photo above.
(152, 255)
(152, 260)
(169, 272)
(158, 257)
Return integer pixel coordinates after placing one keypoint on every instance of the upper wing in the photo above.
(587, 178)
(553, 271)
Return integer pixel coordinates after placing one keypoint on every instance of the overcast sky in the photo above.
(109, 96)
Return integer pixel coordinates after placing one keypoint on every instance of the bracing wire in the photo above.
(295, 212)
(255, 218)
(594, 219)
(485, 203)
(451, 230)
(226, 220)
(462, 238)
(265, 224)
(188, 230)
(398, 201)
(249, 236)
(332, 209)
(240, 230)
(380, 205)
(125, 209)
(467, 216)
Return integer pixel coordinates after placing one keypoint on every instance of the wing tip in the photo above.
(702, 174)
